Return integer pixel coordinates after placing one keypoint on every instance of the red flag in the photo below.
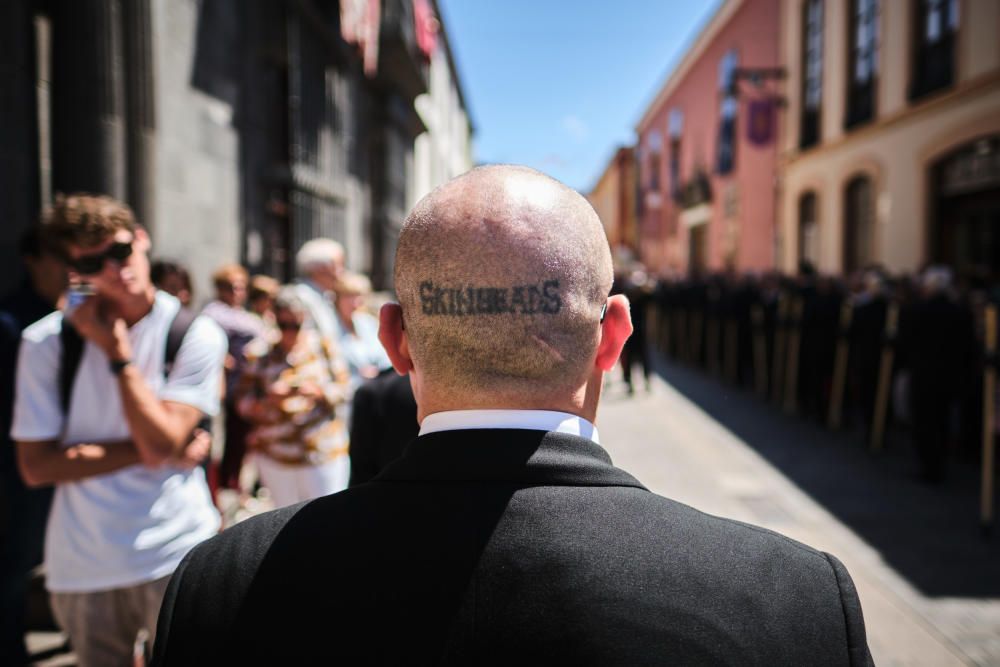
(370, 47)
(426, 25)
(359, 24)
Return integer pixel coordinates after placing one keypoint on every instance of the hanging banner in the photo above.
(427, 27)
(359, 24)
(760, 121)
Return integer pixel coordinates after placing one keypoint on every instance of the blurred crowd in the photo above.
(273, 408)
(871, 352)
(296, 355)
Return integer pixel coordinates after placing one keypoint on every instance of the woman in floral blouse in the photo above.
(290, 392)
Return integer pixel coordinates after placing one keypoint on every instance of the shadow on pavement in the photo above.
(929, 534)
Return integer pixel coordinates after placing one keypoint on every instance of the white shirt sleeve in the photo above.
(196, 378)
(38, 413)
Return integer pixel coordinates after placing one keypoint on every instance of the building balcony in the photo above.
(697, 191)
(401, 64)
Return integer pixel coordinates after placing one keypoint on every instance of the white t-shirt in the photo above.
(135, 524)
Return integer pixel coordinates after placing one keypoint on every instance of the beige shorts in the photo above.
(103, 625)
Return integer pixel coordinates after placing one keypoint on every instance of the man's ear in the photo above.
(615, 330)
(393, 337)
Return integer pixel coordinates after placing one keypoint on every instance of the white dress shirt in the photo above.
(532, 420)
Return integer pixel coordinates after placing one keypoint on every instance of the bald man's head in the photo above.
(502, 275)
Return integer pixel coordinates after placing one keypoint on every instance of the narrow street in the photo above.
(929, 582)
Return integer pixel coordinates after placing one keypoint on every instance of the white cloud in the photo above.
(575, 128)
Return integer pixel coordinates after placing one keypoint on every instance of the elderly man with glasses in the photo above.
(109, 426)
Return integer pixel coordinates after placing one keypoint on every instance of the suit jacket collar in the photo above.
(530, 458)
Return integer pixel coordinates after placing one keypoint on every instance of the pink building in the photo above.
(707, 148)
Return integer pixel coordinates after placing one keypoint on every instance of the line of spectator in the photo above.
(105, 404)
(780, 336)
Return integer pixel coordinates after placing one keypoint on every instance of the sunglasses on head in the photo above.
(91, 264)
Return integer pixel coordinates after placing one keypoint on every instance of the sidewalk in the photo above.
(950, 616)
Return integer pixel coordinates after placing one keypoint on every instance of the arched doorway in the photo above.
(965, 230)
(859, 224)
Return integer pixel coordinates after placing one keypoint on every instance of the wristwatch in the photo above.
(118, 365)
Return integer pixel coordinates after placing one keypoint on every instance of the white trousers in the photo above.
(293, 484)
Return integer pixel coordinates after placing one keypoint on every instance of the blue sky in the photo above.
(559, 84)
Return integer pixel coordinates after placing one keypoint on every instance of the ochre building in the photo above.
(890, 153)
(613, 197)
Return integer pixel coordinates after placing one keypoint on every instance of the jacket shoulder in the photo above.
(206, 593)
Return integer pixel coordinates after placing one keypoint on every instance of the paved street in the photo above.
(929, 584)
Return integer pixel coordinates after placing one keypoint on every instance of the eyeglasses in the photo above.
(289, 326)
(91, 264)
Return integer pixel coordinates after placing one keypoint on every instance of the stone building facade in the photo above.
(444, 150)
(237, 129)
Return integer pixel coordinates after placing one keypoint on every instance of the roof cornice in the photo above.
(718, 21)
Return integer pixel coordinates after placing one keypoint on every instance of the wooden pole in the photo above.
(712, 336)
(835, 415)
(663, 329)
(697, 327)
(792, 365)
(681, 339)
(780, 326)
(884, 378)
(731, 350)
(759, 350)
(989, 406)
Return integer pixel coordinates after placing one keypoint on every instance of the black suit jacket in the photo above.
(383, 422)
(506, 547)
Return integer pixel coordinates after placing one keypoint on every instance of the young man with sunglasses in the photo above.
(128, 507)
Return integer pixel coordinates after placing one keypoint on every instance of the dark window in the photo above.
(859, 224)
(654, 145)
(676, 128)
(812, 72)
(728, 105)
(808, 229)
(935, 27)
(863, 71)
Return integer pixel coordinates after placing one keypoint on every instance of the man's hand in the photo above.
(197, 450)
(111, 335)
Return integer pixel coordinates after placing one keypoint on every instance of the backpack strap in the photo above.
(175, 336)
(72, 353)
(182, 321)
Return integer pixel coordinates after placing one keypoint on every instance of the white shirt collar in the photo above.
(326, 295)
(533, 420)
